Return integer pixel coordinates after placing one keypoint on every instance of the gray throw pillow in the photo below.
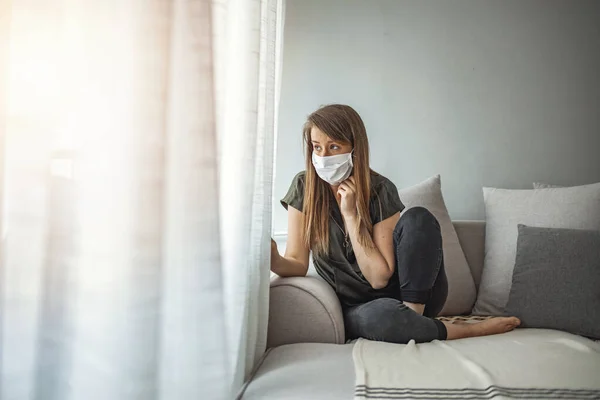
(556, 280)
(570, 208)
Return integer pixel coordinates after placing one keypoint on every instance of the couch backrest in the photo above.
(471, 235)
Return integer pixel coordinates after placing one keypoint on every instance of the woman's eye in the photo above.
(317, 148)
(334, 147)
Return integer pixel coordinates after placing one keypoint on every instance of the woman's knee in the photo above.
(419, 219)
(384, 319)
(377, 312)
(419, 216)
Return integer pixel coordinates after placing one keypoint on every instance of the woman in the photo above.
(387, 270)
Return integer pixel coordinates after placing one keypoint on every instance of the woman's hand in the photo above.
(274, 253)
(347, 193)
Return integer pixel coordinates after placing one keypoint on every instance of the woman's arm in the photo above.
(295, 261)
(376, 259)
(376, 263)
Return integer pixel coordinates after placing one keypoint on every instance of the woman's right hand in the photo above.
(274, 254)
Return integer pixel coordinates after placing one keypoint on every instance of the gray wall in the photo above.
(484, 92)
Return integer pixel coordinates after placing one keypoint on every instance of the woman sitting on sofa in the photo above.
(387, 270)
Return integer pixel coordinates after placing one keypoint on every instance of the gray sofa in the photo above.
(306, 356)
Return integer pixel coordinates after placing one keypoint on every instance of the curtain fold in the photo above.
(247, 168)
(137, 147)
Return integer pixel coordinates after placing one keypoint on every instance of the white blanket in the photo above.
(526, 363)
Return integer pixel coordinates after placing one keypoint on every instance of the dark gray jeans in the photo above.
(422, 278)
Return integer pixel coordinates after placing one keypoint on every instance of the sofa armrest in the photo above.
(304, 309)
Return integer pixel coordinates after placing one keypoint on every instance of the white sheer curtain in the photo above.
(137, 147)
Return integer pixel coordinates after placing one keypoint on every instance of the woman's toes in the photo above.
(510, 323)
(497, 325)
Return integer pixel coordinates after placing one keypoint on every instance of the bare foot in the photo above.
(489, 327)
(496, 325)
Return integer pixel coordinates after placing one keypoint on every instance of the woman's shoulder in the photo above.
(295, 194)
(385, 201)
(300, 175)
(380, 182)
(299, 178)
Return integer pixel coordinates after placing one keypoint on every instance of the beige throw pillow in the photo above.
(461, 287)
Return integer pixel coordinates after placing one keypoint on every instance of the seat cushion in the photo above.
(303, 371)
(326, 371)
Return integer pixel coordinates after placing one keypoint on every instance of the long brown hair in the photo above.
(343, 124)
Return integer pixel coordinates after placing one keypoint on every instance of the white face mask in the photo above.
(333, 169)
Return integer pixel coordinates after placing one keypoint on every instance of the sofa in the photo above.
(307, 355)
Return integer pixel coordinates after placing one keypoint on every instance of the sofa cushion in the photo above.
(461, 288)
(538, 185)
(556, 281)
(575, 208)
(471, 235)
(303, 371)
(327, 372)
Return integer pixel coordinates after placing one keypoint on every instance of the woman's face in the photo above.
(324, 146)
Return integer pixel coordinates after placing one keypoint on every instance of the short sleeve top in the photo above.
(339, 267)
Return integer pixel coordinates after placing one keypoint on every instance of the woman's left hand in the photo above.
(347, 193)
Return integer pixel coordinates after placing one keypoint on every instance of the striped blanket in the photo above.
(525, 363)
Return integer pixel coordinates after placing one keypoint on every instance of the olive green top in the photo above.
(339, 267)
